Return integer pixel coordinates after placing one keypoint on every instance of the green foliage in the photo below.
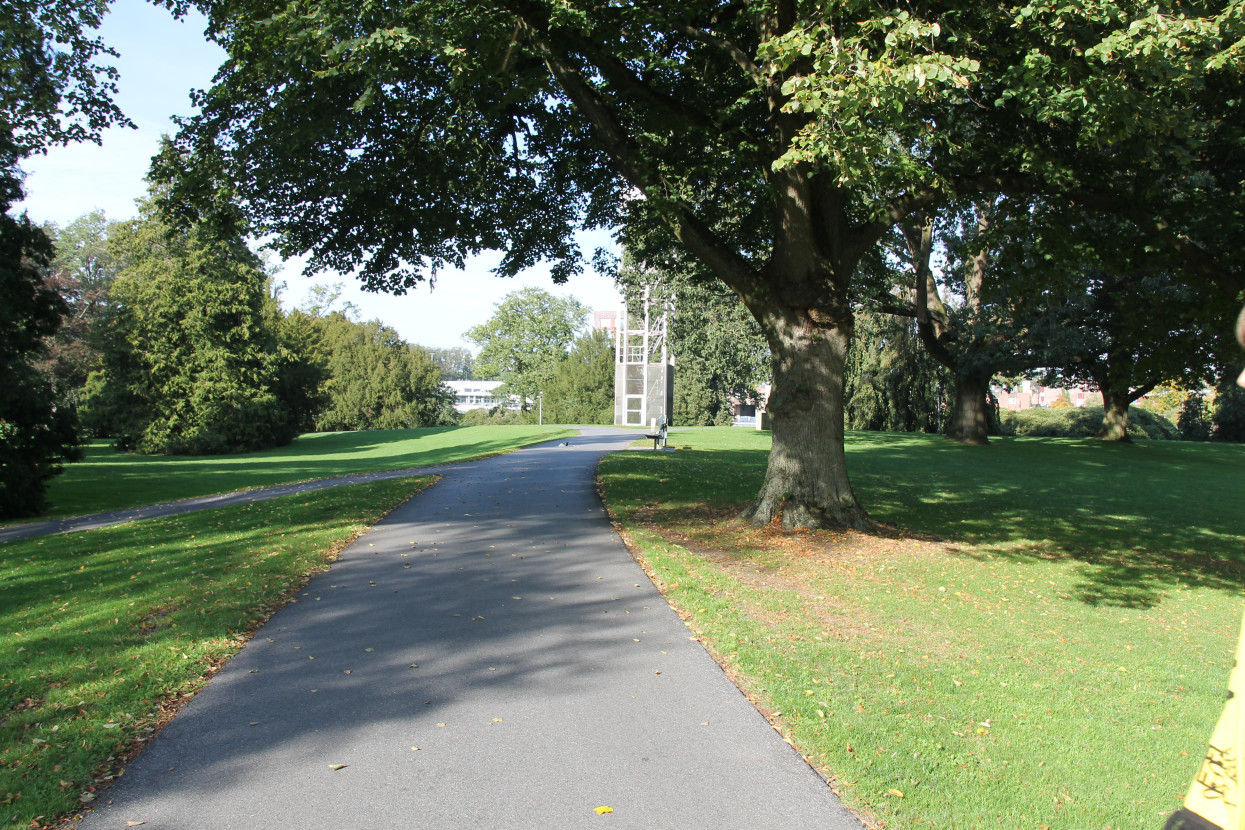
(192, 364)
(582, 388)
(698, 401)
(52, 90)
(498, 416)
(36, 435)
(1083, 422)
(1193, 421)
(777, 144)
(1165, 400)
(81, 273)
(1229, 417)
(455, 364)
(376, 380)
(1126, 318)
(893, 384)
(530, 331)
(720, 354)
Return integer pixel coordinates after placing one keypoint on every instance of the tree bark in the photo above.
(1115, 416)
(806, 483)
(969, 421)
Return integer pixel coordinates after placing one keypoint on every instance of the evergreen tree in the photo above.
(36, 435)
(582, 388)
(191, 362)
(1228, 421)
(893, 384)
(1192, 421)
(377, 381)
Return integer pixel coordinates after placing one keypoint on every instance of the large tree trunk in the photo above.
(969, 421)
(806, 484)
(1114, 417)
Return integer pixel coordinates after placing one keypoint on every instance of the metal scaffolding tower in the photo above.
(644, 372)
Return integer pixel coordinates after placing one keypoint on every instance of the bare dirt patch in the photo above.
(808, 563)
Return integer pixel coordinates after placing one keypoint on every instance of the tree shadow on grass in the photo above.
(1140, 519)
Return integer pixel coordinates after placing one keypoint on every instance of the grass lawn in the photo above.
(109, 480)
(103, 633)
(1042, 640)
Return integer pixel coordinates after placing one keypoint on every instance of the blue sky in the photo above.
(161, 60)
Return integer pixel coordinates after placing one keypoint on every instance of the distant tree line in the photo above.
(172, 341)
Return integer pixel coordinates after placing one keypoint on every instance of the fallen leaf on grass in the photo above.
(600, 811)
(895, 793)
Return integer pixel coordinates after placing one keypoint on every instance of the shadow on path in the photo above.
(490, 655)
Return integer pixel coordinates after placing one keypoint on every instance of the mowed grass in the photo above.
(109, 480)
(104, 633)
(1041, 640)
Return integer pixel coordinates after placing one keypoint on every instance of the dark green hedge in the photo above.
(1084, 422)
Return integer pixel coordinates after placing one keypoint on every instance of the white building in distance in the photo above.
(478, 394)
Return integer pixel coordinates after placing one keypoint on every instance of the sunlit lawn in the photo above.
(108, 480)
(1052, 650)
(102, 632)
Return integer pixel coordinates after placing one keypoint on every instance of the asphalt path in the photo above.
(488, 656)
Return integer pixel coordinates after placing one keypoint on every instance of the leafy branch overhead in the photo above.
(778, 143)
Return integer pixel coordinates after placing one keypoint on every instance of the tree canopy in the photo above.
(54, 88)
(777, 141)
(376, 380)
(530, 331)
(581, 390)
(191, 362)
(36, 435)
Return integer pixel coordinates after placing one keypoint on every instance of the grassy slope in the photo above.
(108, 480)
(102, 632)
(1057, 659)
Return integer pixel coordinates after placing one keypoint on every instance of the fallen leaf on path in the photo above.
(337, 766)
(600, 811)
(135, 823)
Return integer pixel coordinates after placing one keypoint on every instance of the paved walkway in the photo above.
(488, 656)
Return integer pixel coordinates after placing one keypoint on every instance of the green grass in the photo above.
(1058, 656)
(109, 480)
(102, 632)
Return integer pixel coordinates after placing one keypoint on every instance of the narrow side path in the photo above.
(48, 527)
(489, 656)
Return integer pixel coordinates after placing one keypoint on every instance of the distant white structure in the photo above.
(644, 365)
(479, 394)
